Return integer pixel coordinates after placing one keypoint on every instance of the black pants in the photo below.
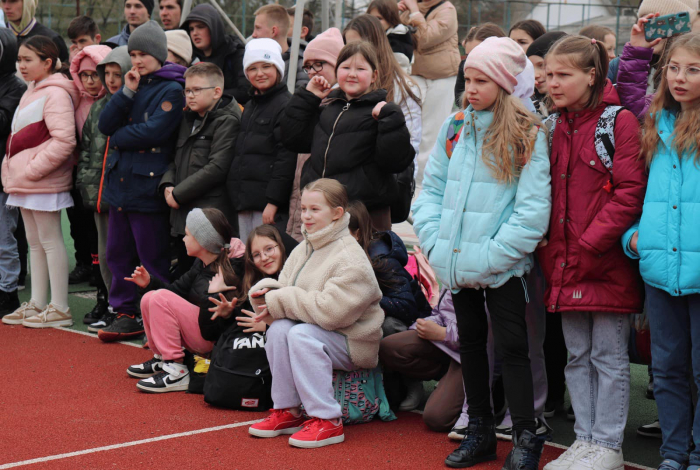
(83, 230)
(555, 358)
(507, 310)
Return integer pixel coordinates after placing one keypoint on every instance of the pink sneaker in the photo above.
(279, 422)
(318, 433)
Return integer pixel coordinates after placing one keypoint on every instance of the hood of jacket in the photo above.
(8, 52)
(58, 80)
(119, 56)
(97, 54)
(170, 71)
(120, 39)
(326, 235)
(208, 15)
(389, 245)
(28, 12)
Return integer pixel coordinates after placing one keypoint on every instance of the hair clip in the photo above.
(593, 41)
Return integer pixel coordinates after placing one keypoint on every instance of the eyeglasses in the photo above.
(316, 67)
(691, 72)
(84, 76)
(268, 251)
(195, 91)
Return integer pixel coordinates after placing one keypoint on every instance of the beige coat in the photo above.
(437, 55)
(328, 281)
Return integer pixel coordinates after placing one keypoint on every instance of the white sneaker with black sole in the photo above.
(505, 433)
(146, 369)
(174, 378)
(650, 430)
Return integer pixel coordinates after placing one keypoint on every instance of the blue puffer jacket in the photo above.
(475, 230)
(142, 131)
(669, 244)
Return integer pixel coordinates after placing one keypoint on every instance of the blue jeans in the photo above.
(9, 256)
(675, 339)
(598, 375)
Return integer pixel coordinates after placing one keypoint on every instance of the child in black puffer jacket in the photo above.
(357, 138)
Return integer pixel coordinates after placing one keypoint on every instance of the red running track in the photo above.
(64, 393)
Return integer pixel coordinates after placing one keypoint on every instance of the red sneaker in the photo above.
(318, 433)
(279, 422)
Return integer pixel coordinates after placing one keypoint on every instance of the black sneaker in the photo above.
(505, 433)
(9, 302)
(174, 378)
(123, 327)
(551, 408)
(527, 449)
(106, 320)
(98, 311)
(479, 445)
(80, 274)
(570, 413)
(650, 430)
(650, 388)
(147, 369)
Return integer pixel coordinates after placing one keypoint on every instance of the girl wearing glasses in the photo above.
(261, 175)
(665, 241)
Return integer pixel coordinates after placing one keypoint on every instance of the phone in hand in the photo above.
(667, 26)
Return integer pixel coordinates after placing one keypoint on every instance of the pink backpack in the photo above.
(419, 268)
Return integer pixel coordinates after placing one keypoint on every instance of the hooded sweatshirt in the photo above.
(29, 26)
(11, 87)
(40, 148)
(226, 51)
(96, 53)
(94, 143)
(121, 39)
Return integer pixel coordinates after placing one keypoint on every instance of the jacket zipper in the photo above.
(325, 155)
(303, 265)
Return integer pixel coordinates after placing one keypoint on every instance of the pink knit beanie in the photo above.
(326, 47)
(501, 59)
(87, 64)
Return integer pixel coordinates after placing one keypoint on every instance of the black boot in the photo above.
(80, 274)
(478, 445)
(98, 310)
(9, 302)
(527, 449)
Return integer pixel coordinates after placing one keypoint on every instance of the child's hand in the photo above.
(140, 277)
(430, 331)
(217, 283)
(260, 293)
(637, 38)
(223, 308)
(319, 86)
(378, 109)
(132, 78)
(269, 214)
(633, 241)
(169, 199)
(264, 316)
(544, 242)
(250, 324)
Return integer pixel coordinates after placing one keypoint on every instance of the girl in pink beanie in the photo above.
(483, 210)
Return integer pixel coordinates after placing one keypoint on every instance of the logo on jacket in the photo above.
(256, 341)
(577, 294)
(250, 402)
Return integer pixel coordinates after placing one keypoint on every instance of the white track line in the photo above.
(127, 444)
(92, 335)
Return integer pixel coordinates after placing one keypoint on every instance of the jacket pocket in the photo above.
(146, 178)
(592, 161)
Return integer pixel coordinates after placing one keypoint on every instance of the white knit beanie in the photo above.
(264, 50)
(180, 44)
(668, 7)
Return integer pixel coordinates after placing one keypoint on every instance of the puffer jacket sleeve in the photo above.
(632, 78)
(299, 120)
(60, 121)
(84, 156)
(441, 26)
(527, 225)
(629, 186)
(427, 209)
(279, 189)
(215, 171)
(394, 151)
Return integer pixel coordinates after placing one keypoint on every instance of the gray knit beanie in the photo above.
(150, 39)
(204, 232)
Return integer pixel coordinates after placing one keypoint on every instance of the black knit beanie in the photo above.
(149, 4)
(542, 44)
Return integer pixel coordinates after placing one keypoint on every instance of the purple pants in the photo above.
(135, 237)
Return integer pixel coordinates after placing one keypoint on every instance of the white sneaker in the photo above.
(51, 317)
(566, 460)
(600, 458)
(26, 310)
(174, 378)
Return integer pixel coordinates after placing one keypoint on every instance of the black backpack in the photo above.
(239, 375)
(401, 207)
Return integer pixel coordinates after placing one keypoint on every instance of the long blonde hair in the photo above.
(686, 130)
(509, 142)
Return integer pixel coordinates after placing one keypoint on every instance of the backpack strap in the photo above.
(605, 136)
(427, 13)
(550, 123)
(454, 131)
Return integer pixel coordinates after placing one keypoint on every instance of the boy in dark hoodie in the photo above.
(11, 90)
(141, 120)
(212, 44)
(197, 176)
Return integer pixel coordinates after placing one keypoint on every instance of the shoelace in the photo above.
(531, 459)
(274, 413)
(592, 454)
(26, 306)
(471, 441)
(43, 316)
(311, 422)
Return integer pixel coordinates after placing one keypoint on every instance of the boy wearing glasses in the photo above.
(141, 121)
(197, 175)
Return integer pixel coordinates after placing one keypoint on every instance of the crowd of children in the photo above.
(560, 198)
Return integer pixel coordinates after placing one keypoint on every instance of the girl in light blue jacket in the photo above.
(667, 243)
(484, 208)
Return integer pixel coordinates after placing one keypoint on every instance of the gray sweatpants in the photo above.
(302, 358)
